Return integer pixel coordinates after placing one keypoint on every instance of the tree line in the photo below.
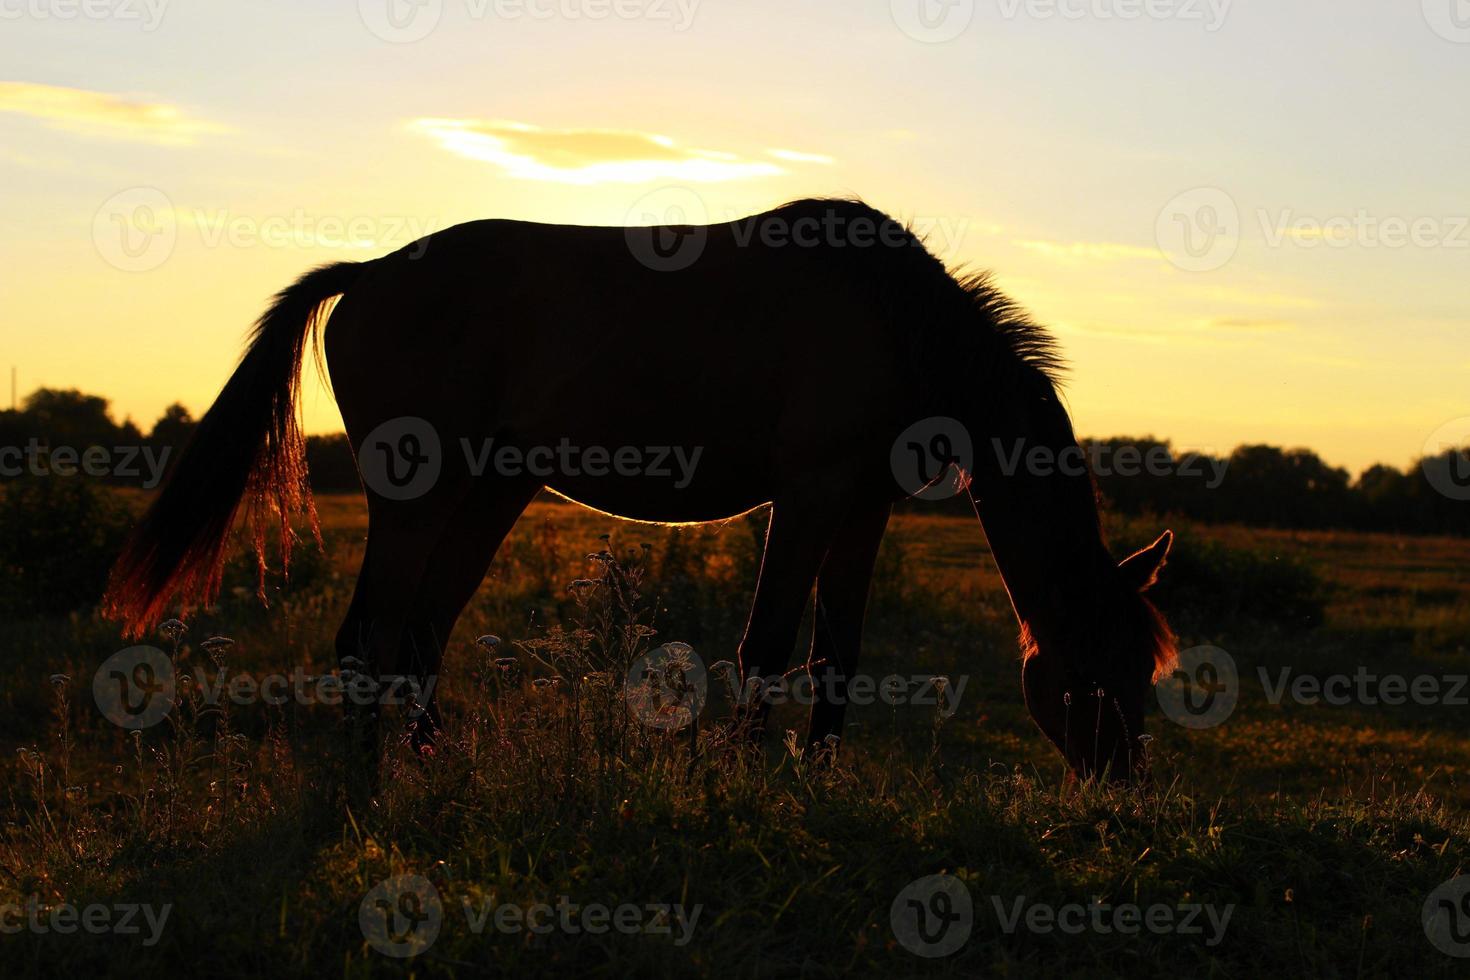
(1258, 485)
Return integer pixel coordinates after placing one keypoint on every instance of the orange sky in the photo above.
(1236, 224)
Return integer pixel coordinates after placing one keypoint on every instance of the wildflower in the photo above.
(541, 684)
(832, 742)
(173, 630)
(941, 684)
(487, 642)
(581, 583)
(60, 680)
(75, 794)
(506, 664)
(217, 647)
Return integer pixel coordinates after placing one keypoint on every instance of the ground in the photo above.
(1293, 838)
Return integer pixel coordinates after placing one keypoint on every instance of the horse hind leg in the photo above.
(400, 545)
(464, 550)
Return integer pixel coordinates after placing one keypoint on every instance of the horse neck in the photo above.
(1042, 525)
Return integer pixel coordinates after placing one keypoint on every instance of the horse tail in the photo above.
(249, 443)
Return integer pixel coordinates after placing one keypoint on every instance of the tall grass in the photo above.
(549, 784)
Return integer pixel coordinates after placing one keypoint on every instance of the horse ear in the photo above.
(1141, 569)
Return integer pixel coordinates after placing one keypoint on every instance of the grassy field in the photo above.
(1292, 839)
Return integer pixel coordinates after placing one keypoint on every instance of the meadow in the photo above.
(1306, 836)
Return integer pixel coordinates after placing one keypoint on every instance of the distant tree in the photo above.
(1269, 486)
(68, 417)
(173, 428)
(331, 465)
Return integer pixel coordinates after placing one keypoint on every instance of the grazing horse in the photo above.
(784, 353)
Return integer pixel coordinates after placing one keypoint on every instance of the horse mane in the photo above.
(954, 317)
(1022, 337)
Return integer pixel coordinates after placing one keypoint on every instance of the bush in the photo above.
(58, 538)
(1207, 584)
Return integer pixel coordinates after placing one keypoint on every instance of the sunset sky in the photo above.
(1082, 153)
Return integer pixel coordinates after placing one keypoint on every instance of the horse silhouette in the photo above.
(788, 350)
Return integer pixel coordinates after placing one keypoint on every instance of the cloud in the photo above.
(797, 156)
(102, 114)
(1103, 251)
(586, 156)
(1252, 297)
